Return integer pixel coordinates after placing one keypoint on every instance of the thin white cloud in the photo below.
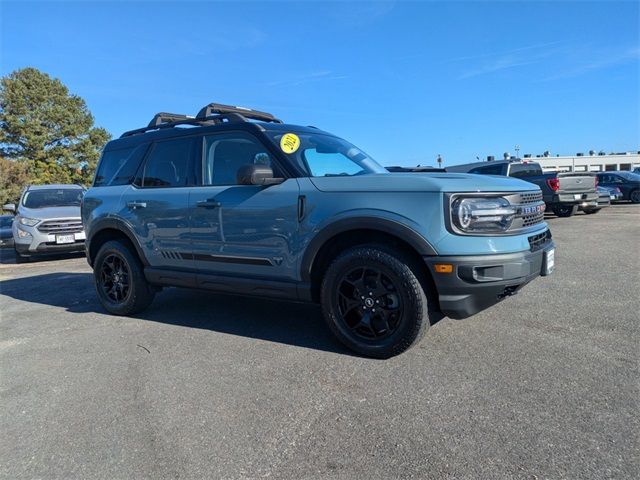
(601, 60)
(517, 57)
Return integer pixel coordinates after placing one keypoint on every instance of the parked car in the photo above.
(47, 220)
(6, 234)
(627, 182)
(243, 203)
(605, 195)
(563, 192)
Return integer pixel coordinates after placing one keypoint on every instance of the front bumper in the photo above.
(48, 248)
(478, 282)
(38, 242)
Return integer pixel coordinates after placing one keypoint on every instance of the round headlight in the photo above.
(482, 214)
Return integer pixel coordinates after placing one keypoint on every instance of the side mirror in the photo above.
(10, 207)
(257, 175)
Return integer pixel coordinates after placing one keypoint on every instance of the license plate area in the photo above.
(61, 239)
(548, 262)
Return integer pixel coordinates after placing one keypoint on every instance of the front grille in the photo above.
(533, 219)
(530, 197)
(71, 225)
(536, 242)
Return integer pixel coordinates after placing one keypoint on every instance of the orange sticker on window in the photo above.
(289, 142)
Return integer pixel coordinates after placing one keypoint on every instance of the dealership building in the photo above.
(588, 162)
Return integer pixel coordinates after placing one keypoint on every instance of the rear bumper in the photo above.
(478, 282)
(574, 198)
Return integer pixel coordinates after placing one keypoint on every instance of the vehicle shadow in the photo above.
(276, 321)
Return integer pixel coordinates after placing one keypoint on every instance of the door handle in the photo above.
(208, 204)
(134, 205)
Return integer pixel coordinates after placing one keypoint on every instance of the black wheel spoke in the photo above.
(368, 303)
(114, 278)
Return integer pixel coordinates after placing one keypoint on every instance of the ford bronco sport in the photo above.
(235, 201)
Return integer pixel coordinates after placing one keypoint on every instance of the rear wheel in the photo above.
(635, 196)
(119, 279)
(565, 210)
(374, 302)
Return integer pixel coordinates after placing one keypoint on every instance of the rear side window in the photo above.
(118, 167)
(488, 170)
(168, 163)
(520, 170)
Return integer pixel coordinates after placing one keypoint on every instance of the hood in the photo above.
(421, 182)
(50, 212)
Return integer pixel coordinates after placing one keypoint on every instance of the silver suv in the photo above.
(48, 221)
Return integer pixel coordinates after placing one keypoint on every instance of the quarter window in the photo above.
(225, 154)
(168, 163)
(115, 165)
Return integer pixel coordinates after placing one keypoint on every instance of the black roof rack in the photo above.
(164, 117)
(211, 114)
(218, 108)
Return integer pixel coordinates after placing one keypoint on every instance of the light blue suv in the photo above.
(235, 201)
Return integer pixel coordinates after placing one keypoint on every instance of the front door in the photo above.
(242, 230)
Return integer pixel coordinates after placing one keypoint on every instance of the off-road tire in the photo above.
(139, 294)
(411, 290)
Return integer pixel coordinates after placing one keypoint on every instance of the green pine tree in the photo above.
(46, 130)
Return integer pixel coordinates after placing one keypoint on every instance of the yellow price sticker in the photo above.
(289, 142)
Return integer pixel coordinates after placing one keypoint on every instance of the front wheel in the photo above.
(565, 210)
(635, 196)
(374, 302)
(119, 279)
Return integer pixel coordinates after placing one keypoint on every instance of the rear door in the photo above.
(156, 206)
(245, 230)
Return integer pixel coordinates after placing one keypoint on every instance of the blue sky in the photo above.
(405, 81)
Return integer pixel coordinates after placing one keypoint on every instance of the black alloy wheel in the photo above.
(114, 278)
(369, 303)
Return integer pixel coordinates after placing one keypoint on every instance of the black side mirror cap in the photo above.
(257, 175)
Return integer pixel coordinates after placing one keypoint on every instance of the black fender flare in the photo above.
(110, 223)
(383, 225)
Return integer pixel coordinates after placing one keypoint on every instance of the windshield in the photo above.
(6, 221)
(634, 177)
(54, 197)
(323, 155)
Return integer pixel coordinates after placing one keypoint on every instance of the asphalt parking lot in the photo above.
(543, 385)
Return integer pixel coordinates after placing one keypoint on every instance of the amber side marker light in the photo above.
(443, 268)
